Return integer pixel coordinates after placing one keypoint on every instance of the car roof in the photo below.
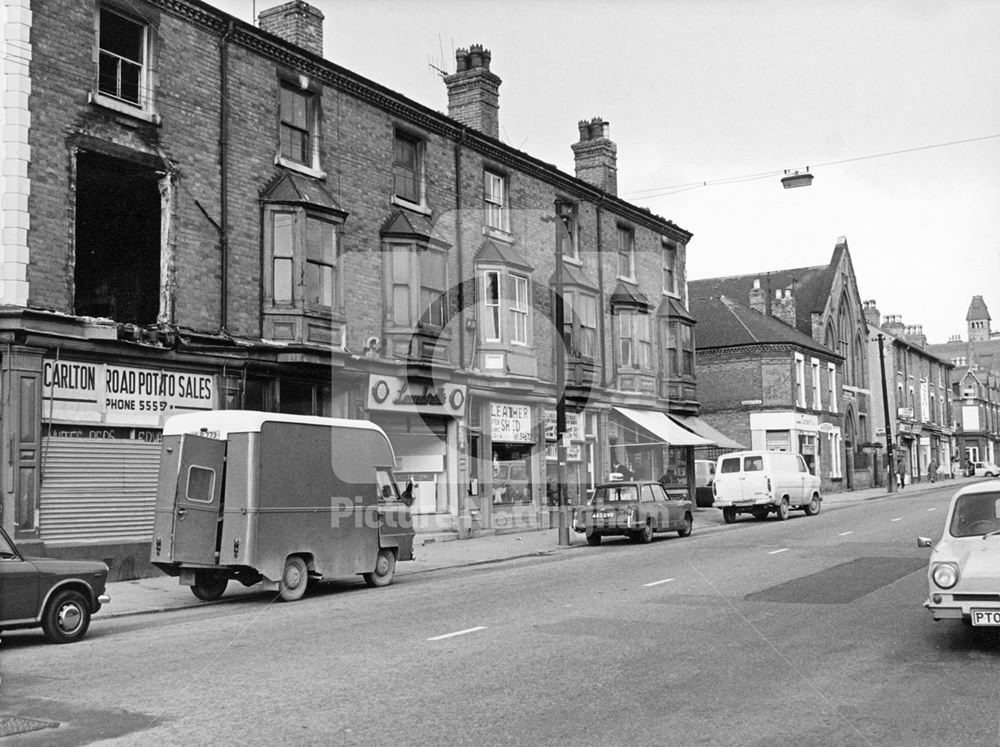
(619, 483)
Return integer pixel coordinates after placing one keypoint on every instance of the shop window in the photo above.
(117, 235)
(304, 398)
(496, 201)
(407, 168)
(626, 253)
(298, 125)
(511, 473)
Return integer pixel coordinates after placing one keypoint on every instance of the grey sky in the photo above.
(709, 90)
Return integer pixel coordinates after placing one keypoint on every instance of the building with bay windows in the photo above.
(202, 213)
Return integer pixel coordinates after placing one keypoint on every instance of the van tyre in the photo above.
(729, 515)
(294, 579)
(385, 569)
(812, 508)
(66, 617)
(209, 586)
(782, 510)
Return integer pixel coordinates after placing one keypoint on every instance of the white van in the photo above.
(759, 482)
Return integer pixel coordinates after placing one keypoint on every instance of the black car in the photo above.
(59, 596)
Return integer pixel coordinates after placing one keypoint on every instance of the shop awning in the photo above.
(663, 427)
(704, 430)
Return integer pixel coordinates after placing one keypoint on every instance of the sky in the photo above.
(701, 93)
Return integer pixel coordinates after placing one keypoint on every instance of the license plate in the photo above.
(605, 515)
(985, 617)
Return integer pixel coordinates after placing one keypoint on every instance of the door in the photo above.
(18, 584)
(669, 509)
(197, 502)
(754, 478)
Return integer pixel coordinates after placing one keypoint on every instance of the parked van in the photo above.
(759, 482)
(279, 499)
(704, 476)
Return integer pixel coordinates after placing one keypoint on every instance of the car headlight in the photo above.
(945, 575)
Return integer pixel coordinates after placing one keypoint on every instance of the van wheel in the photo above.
(209, 586)
(782, 511)
(812, 508)
(66, 617)
(385, 569)
(685, 530)
(294, 579)
(729, 515)
(593, 538)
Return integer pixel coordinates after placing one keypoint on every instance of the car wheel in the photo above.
(685, 531)
(729, 515)
(385, 569)
(209, 586)
(66, 617)
(812, 508)
(294, 579)
(593, 539)
(782, 510)
(646, 534)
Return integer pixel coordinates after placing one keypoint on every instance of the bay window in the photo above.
(634, 342)
(504, 310)
(580, 323)
(680, 349)
(417, 281)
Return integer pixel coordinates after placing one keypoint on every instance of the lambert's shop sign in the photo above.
(119, 395)
(510, 423)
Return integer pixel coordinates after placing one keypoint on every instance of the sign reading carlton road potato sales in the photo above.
(510, 423)
(120, 395)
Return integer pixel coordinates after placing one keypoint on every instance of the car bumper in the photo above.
(949, 608)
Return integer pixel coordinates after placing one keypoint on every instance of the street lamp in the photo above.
(565, 212)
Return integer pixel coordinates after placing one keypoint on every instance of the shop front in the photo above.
(422, 420)
(581, 454)
(650, 445)
(100, 455)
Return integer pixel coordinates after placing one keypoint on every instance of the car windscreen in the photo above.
(614, 494)
(975, 514)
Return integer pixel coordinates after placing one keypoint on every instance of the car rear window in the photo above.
(615, 494)
(976, 515)
(730, 465)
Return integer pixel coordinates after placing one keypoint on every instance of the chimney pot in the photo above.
(596, 156)
(296, 22)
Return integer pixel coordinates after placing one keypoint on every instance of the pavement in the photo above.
(164, 593)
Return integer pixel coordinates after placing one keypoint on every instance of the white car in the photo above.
(964, 572)
(985, 469)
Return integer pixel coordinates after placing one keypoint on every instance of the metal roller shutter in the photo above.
(97, 490)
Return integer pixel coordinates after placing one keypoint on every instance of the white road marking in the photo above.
(775, 552)
(657, 583)
(933, 508)
(457, 632)
(898, 518)
(844, 534)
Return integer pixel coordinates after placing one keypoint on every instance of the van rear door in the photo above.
(754, 478)
(197, 499)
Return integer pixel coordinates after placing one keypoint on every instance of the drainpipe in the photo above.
(224, 175)
(458, 247)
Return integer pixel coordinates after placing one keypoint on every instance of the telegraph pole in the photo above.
(885, 412)
(564, 212)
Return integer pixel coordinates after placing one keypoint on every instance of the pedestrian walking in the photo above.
(932, 468)
(900, 473)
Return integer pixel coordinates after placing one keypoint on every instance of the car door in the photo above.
(18, 584)
(197, 502)
(668, 510)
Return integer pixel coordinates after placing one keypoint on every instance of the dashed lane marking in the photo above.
(844, 534)
(775, 552)
(932, 508)
(657, 583)
(457, 632)
(898, 518)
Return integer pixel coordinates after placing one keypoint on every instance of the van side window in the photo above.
(753, 464)
(730, 465)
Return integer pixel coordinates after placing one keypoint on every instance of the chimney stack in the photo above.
(894, 325)
(474, 92)
(597, 156)
(758, 297)
(871, 313)
(297, 22)
(783, 306)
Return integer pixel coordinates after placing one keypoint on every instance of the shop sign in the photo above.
(805, 422)
(396, 394)
(121, 395)
(111, 432)
(510, 423)
(827, 428)
(906, 413)
(572, 426)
